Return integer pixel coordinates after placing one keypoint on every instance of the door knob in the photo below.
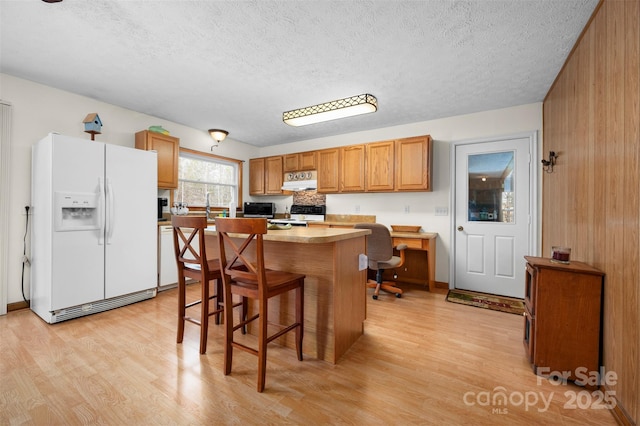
(460, 228)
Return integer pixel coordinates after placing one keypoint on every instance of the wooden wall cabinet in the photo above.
(380, 166)
(273, 175)
(328, 170)
(265, 175)
(300, 161)
(413, 164)
(352, 168)
(256, 176)
(562, 317)
(168, 149)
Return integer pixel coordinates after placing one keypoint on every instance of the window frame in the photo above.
(205, 156)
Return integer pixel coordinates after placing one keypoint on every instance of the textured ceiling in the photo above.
(237, 65)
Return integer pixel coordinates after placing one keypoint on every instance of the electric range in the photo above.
(301, 215)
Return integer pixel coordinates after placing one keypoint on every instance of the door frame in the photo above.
(534, 213)
(6, 111)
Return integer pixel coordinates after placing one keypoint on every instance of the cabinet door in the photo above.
(256, 176)
(413, 164)
(291, 163)
(380, 156)
(273, 175)
(167, 148)
(352, 168)
(307, 160)
(328, 167)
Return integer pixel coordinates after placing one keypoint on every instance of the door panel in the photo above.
(475, 254)
(131, 251)
(77, 267)
(505, 251)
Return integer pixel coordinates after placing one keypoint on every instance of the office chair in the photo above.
(380, 254)
(244, 273)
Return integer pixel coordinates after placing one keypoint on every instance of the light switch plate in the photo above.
(363, 262)
(442, 211)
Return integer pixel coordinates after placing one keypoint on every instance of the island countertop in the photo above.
(308, 235)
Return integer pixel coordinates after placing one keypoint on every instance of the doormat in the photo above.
(487, 301)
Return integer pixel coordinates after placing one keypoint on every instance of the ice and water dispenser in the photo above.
(77, 211)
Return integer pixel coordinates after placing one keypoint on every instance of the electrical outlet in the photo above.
(357, 208)
(407, 209)
(442, 211)
(363, 262)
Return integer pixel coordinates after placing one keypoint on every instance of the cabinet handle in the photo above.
(460, 228)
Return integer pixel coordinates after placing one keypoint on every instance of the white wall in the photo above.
(38, 110)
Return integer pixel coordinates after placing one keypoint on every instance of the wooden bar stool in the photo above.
(245, 274)
(191, 256)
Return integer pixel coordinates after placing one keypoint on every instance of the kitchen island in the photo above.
(334, 287)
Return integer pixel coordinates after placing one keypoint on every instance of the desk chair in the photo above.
(191, 256)
(380, 254)
(245, 274)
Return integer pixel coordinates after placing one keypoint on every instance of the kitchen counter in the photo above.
(334, 287)
(307, 235)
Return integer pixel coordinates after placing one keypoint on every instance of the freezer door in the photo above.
(131, 229)
(77, 255)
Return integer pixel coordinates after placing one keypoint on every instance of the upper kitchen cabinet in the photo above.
(265, 175)
(300, 161)
(328, 167)
(413, 164)
(380, 162)
(167, 148)
(256, 176)
(273, 175)
(352, 168)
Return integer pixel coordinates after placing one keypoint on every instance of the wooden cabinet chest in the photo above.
(562, 319)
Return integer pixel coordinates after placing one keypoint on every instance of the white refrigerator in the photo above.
(94, 227)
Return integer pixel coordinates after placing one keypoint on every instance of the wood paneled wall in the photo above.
(591, 202)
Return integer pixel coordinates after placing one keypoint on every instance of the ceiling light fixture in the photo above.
(347, 107)
(218, 136)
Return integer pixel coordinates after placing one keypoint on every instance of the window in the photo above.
(200, 173)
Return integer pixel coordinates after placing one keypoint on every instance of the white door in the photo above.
(494, 205)
(131, 231)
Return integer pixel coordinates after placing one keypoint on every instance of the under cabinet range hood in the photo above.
(300, 181)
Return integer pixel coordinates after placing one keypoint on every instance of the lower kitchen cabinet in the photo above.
(562, 319)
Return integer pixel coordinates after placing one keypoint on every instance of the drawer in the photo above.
(415, 243)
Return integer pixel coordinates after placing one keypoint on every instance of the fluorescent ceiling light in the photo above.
(347, 107)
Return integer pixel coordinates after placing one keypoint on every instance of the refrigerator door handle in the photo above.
(101, 212)
(109, 211)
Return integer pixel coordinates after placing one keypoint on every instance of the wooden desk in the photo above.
(334, 288)
(423, 241)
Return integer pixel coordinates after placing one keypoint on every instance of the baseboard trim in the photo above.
(17, 306)
(440, 284)
(618, 412)
(621, 416)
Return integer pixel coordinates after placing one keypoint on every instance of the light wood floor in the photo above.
(422, 360)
